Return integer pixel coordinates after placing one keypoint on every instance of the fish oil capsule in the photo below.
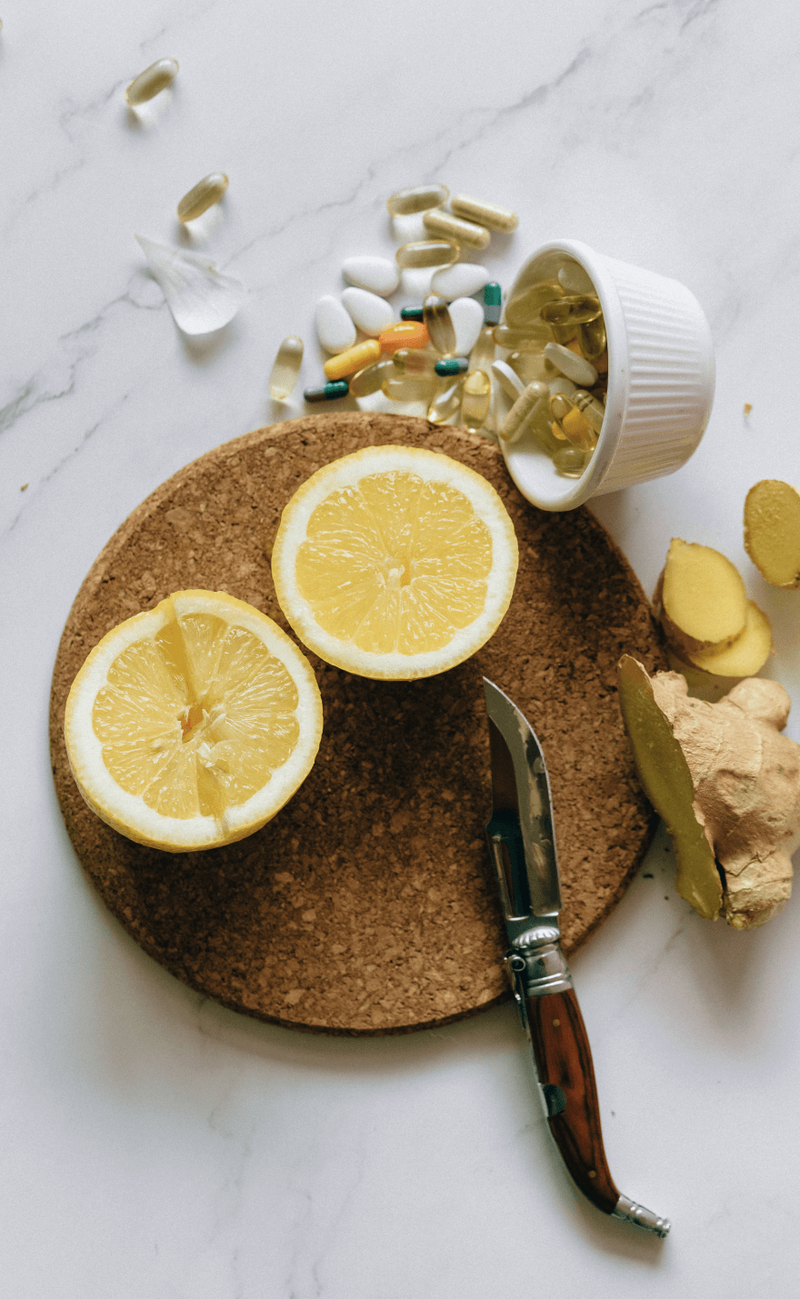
(445, 402)
(513, 425)
(485, 214)
(355, 358)
(369, 380)
(570, 363)
(492, 303)
(413, 361)
(428, 252)
(202, 196)
(592, 410)
(475, 400)
(152, 81)
(411, 313)
(452, 365)
(483, 353)
(285, 368)
(406, 333)
(573, 279)
(463, 232)
(592, 340)
(329, 392)
(571, 423)
(407, 388)
(578, 309)
(439, 325)
(569, 462)
(526, 304)
(533, 338)
(419, 198)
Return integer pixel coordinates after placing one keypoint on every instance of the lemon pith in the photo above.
(395, 562)
(191, 724)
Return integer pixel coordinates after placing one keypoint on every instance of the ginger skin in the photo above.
(746, 779)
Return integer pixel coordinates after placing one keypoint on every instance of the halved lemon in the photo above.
(191, 724)
(395, 562)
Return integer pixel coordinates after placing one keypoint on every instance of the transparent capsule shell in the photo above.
(202, 196)
(438, 322)
(447, 226)
(446, 401)
(533, 338)
(428, 252)
(419, 198)
(286, 368)
(484, 350)
(409, 360)
(485, 214)
(152, 81)
(569, 462)
(592, 340)
(475, 400)
(526, 304)
(369, 380)
(408, 388)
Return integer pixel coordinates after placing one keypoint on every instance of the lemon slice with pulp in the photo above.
(395, 562)
(191, 724)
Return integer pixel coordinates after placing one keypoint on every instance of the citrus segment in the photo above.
(191, 724)
(395, 562)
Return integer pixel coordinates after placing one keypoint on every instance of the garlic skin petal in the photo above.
(200, 298)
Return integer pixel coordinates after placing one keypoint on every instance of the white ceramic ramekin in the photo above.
(660, 381)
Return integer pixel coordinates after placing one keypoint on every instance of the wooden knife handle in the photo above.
(566, 1074)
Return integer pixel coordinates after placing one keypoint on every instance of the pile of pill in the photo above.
(539, 368)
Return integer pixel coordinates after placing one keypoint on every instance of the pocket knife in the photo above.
(523, 850)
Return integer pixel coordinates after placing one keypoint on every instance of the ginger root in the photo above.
(772, 531)
(727, 784)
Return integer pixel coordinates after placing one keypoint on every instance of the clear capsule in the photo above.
(463, 232)
(286, 368)
(428, 252)
(484, 214)
(577, 309)
(533, 338)
(152, 81)
(405, 202)
(437, 320)
(571, 423)
(409, 360)
(592, 341)
(328, 392)
(202, 196)
(370, 379)
(526, 303)
(513, 426)
(475, 400)
(483, 351)
(408, 388)
(569, 462)
(593, 411)
(446, 401)
(355, 358)
(573, 278)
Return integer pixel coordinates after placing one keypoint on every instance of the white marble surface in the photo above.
(152, 1143)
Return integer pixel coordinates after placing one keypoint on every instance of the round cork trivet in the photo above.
(367, 905)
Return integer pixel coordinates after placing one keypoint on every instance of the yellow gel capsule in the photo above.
(569, 462)
(355, 358)
(446, 401)
(577, 309)
(527, 303)
(407, 388)
(533, 338)
(152, 81)
(484, 214)
(369, 380)
(483, 350)
(593, 411)
(453, 227)
(419, 198)
(579, 431)
(438, 322)
(202, 196)
(428, 252)
(285, 368)
(592, 340)
(475, 400)
(413, 361)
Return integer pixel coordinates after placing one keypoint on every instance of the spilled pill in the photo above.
(467, 317)
(492, 303)
(513, 425)
(452, 365)
(438, 322)
(376, 274)
(460, 280)
(411, 313)
(286, 368)
(369, 380)
(329, 392)
(571, 364)
(371, 313)
(445, 402)
(463, 232)
(475, 400)
(404, 202)
(508, 379)
(355, 358)
(428, 252)
(335, 329)
(485, 214)
(407, 333)
(152, 81)
(202, 196)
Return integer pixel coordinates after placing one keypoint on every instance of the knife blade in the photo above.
(522, 844)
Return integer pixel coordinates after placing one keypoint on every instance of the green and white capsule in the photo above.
(202, 196)
(332, 391)
(152, 81)
(452, 365)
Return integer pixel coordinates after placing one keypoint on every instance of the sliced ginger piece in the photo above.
(772, 531)
(667, 782)
(748, 653)
(702, 597)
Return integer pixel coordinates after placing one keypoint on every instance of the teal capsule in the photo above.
(452, 365)
(411, 313)
(492, 303)
(329, 392)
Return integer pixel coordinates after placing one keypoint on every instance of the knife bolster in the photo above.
(538, 964)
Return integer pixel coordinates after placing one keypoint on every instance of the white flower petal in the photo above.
(200, 298)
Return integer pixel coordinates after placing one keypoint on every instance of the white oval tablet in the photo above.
(460, 280)
(335, 329)
(573, 366)
(467, 317)
(508, 380)
(416, 282)
(368, 311)
(376, 274)
(409, 229)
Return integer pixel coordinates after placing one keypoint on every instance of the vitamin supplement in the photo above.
(467, 317)
(411, 313)
(285, 368)
(508, 379)
(513, 425)
(569, 462)
(475, 399)
(483, 353)
(408, 388)
(578, 309)
(369, 380)
(571, 364)
(452, 365)
(330, 392)
(407, 333)
(415, 282)
(335, 329)
(376, 274)
(417, 199)
(447, 226)
(413, 361)
(202, 196)
(485, 214)
(528, 302)
(571, 423)
(355, 358)
(428, 252)
(532, 338)
(492, 303)
(532, 365)
(437, 320)
(592, 410)
(445, 402)
(592, 340)
(150, 82)
(460, 280)
(573, 279)
(369, 312)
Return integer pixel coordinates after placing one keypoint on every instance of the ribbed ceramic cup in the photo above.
(660, 381)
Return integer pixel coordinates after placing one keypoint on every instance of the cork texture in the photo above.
(367, 905)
